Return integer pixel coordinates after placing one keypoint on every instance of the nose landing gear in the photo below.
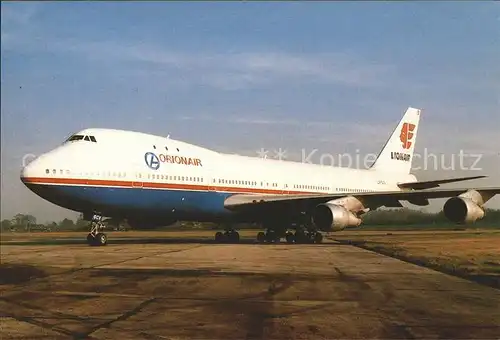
(95, 236)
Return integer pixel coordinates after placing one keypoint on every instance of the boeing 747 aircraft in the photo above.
(153, 181)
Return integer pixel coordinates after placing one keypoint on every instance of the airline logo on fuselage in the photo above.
(153, 161)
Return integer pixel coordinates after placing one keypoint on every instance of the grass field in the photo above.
(474, 255)
(430, 227)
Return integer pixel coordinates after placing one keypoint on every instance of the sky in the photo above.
(238, 77)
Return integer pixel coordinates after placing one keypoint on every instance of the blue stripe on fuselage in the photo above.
(83, 198)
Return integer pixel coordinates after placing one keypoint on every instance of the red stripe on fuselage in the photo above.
(155, 185)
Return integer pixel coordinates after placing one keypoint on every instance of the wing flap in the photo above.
(434, 184)
(247, 201)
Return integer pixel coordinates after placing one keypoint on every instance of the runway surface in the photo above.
(197, 290)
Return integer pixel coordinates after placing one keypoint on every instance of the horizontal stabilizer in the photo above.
(434, 184)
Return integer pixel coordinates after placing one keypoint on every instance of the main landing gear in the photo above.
(95, 236)
(304, 236)
(228, 236)
(270, 236)
(299, 236)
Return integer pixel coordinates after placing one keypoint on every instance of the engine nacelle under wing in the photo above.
(333, 217)
(465, 208)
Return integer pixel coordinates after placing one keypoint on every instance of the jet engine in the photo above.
(333, 217)
(465, 208)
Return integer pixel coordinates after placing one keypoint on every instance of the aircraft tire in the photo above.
(101, 239)
(219, 237)
(270, 236)
(261, 237)
(91, 240)
(300, 237)
(318, 238)
(234, 237)
(290, 238)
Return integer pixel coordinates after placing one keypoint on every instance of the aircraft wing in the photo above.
(253, 202)
(434, 184)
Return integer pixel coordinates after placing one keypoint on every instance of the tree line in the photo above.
(28, 223)
(385, 217)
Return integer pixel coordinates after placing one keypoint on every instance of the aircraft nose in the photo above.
(30, 170)
(27, 172)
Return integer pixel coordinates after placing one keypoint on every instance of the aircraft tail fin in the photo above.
(397, 154)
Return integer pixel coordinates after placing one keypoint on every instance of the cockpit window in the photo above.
(81, 137)
(74, 137)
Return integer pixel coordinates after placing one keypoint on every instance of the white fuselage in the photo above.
(124, 171)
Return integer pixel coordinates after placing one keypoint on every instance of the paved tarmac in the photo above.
(196, 290)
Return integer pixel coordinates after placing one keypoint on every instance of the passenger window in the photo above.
(47, 171)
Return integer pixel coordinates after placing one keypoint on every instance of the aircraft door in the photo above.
(138, 183)
(285, 189)
(212, 183)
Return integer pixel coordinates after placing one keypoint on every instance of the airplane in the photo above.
(152, 181)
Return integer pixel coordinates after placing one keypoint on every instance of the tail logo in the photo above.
(407, 135)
